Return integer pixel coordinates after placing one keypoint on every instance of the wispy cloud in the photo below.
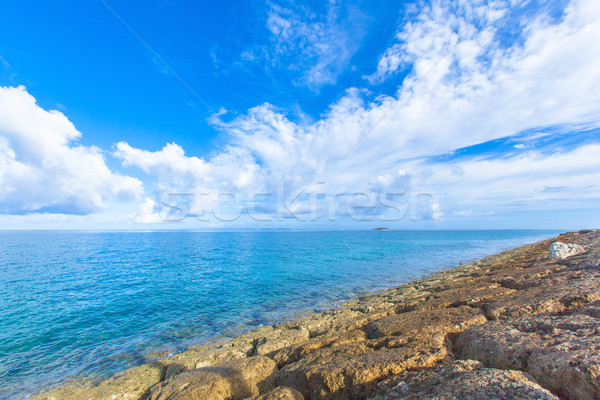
(482, 90)
(315, 47)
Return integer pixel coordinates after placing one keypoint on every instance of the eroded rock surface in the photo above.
(280, 393)
(131, 384)
(562, 353)
(464, 380)
(234, 379)
(516, 325)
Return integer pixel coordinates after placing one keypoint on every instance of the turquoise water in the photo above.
(90, 304)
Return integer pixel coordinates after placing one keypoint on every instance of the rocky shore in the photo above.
(516, 325)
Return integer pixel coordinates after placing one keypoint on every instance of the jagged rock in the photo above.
(398, 342)
(454, 297)
(131, 384)
(464, 380)
(352, 371)
(338, 320)
(280, 393)
(447, 320)
(554, 294)
(561, 250)
(284, 338)
(260, 341)
(561, 352)
(293, 353)
(235, 379)
(203, 357)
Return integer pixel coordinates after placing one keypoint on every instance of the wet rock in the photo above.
(235, 379)
(563, 250)
(465, 380)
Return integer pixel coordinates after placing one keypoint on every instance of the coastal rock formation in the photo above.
(131, 384)
(516, 325)
(234, 379)
(464, 380)
(561, 352)
(563, 250)
(280, 393)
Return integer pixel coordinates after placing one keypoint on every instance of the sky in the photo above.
(165, 114)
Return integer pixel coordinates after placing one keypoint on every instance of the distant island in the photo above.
(380, 229)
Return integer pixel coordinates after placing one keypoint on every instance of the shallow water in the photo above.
(92, 303)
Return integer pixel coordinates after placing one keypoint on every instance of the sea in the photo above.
(79, 304)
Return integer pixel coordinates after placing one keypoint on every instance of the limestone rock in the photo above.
(560, 250)
(339, 320)
(235, 379)
(562, 353)
(131, 384)
(352, 371)
(464, 380)
(280, 393)
(555, 293)
(447, 320)
(294, 353)
(397, 343)
(454, 297)
(284, 338)
(203, 357)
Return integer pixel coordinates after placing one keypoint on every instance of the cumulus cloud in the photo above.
(189, 185)
(43, 169)
(464, 85)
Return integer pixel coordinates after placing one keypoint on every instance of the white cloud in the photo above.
(536, 181)
(315, 47)
(147, 213)
(191, 185)
(442, 32)
(43, 169)
(464, 87)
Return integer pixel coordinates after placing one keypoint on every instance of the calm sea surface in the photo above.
(78, 304)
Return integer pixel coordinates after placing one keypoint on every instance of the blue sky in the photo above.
(324, 115)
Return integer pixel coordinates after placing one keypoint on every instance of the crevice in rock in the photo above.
(252, 352)
(481, 306)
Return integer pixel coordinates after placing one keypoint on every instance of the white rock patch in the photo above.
(563, 250)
